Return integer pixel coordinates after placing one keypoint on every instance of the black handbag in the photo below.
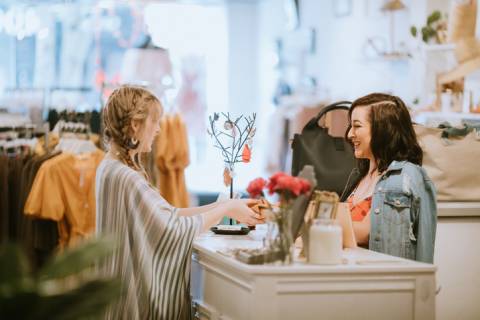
(331, 157)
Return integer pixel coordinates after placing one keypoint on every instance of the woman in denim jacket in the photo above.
(393, 204)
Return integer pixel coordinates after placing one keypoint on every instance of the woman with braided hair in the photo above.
(155, 239)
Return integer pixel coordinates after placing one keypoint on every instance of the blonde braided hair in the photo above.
(124, 105)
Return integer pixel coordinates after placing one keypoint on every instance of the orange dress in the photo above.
(359, 210)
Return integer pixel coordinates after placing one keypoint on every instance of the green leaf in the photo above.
(87, 300)
(72, 261)
(427, 33)
(413, 31)
(21, 305)
(435, 16)
(13, 264)
(51, 295)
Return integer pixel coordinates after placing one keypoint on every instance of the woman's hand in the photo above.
(239, 209)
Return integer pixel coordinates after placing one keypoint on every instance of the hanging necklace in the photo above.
(365, 187)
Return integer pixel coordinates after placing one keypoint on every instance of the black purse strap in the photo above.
(341, 105)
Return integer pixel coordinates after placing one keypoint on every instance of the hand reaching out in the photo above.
(239, 209)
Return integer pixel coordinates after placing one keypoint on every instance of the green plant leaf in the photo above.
(435, 16)
(86, 301)
(425, 34)
(77, 259)
(13, 264)
(413, 31)
(21, 305)
(58, 292)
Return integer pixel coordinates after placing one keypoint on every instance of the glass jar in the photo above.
(325, 242)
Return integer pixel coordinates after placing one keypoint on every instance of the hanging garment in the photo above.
(38, 236)
(15, 167)
(155, 245)
(4, 203)
(172, 157)
(63, 190)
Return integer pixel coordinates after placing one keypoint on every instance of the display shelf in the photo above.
(433, 118)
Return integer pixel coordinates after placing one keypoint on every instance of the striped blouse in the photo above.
(155, 244)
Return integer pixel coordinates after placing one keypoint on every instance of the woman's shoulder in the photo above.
(406, 167)
(411, 176)
(415, 171)
(118, 173)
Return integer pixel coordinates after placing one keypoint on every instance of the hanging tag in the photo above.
(246, 154)
(227, 178)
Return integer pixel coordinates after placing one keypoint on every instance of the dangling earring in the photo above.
(132, 143)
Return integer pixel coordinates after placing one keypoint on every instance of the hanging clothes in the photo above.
(38, 236)
(172, 158)
(63, 191)
(4, 203)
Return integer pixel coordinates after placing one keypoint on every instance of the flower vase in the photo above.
(279, 236)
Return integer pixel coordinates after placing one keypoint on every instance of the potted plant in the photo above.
(435, 31)
(67, 287)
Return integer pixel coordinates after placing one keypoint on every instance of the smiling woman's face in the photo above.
(361, 132)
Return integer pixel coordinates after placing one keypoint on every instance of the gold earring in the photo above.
(132, 143)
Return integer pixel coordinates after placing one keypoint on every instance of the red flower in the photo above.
(288, 183)
(255, 187)
(305, 185)
(273, 181)
(285, 185)
(281, 183)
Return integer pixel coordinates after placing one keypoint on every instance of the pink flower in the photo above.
(273, 181)
(288, 183)
(281, 183)
(305, 185)
(285, 185)
(255, 187)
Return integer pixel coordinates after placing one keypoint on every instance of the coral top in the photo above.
(359, 210)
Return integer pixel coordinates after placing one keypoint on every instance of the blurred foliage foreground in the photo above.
(66, 287)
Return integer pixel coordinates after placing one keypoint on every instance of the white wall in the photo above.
(343, 62)
(243, 57)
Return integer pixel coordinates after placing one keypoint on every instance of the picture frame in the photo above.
(326, 204)
(322, 205)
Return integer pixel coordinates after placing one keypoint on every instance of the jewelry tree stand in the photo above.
(233, 137)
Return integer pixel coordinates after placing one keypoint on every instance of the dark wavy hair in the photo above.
(393, 137)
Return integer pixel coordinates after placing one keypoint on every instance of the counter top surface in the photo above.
(355, 260)
(458, 209)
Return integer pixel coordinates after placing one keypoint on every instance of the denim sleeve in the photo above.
(426, 217)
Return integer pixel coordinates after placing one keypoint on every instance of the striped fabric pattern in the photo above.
(155, 244)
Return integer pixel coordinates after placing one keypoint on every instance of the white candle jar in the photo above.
(325, 242)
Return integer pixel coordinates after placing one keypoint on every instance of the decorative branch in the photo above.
(231, 138)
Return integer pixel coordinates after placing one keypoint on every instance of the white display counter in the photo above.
(368, 285)
(458, 260)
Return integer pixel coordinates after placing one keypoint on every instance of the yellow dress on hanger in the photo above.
(172, 157)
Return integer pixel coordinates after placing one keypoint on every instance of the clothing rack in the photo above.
(49, 91)
(13, 137)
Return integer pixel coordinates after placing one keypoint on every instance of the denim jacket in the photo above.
(403, 215)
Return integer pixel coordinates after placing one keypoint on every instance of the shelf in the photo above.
(438, 47)
(460, 71)
(454, 118)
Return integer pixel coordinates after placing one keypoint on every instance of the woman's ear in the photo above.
(135, 126)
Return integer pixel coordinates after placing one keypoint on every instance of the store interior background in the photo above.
(224, 56)
(230, 46)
